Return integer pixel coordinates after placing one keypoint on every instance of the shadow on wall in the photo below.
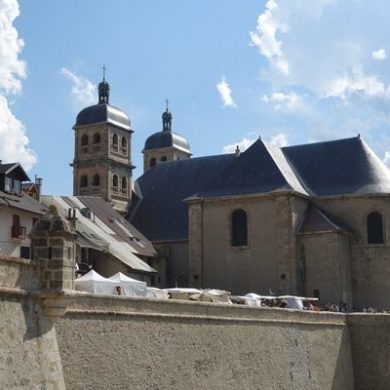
(36, 324)
(343, 365)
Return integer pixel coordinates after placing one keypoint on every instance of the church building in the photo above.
(307, 220)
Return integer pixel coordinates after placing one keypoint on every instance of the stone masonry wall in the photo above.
(102, 342)
(133, 343)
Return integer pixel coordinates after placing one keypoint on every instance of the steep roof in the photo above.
(345, 166)
(161, 213)
(316, 221)
(261, 168)
(14, 168)
(105, 230)
(22, 202)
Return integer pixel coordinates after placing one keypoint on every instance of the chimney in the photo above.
(38, 183)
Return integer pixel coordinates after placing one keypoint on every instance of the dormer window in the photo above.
(12, 186)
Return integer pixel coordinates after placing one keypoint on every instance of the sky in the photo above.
(290, 71)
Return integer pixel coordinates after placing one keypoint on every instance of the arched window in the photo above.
(239, 229)
(152, 162)
(163, 158)
(115, 181)
(84, 140)
(374, 228)
(84, 181)
(96, 180)
(124, 183)
(124, 142)
(115, 139)
(96, 138)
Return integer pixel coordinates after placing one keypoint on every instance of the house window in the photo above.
(374, 228)
(239, 229)
(34, 221)
(152, 162)
(115, 139)
(124, 183)
(115, 181)
(17, 187)
(164, 158)
(124, 142)
(84, 140)
(8, 184)
(84, 181)
(96, 180)
(96, 138)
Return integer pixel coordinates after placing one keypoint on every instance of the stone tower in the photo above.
(165, 145)
(102, 155)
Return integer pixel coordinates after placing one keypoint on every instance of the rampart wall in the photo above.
(129, 343)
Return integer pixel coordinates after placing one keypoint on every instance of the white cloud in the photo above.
(242, 145)
(279, 140)
(283, 100)
(83, 91)
(357, 82)
(379, 54)
(14, 141)
(264, 38)
(225, 93)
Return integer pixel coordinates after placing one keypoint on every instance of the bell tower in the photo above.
(102, 155)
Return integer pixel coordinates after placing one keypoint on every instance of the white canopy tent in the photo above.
(94, 283)
(129, 287)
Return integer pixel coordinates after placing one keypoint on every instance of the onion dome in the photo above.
(103, 111)
(167, 138)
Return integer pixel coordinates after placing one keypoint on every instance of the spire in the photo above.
(104, 89)
(167, 118)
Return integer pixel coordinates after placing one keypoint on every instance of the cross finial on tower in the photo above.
(167, 103)
(104, 72)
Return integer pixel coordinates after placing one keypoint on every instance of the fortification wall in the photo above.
(29, 357)
(123, 343)
(139, 344)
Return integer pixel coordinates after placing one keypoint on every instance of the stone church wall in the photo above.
(370, 264)
(269, 261)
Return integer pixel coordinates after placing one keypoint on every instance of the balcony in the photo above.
(18, 231)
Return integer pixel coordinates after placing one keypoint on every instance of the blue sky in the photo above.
(292, 71)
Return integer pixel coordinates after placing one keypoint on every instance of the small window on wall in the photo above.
(124, 142)
(163, 158)
(84, 140)
(239, 228)
(96, 138)
(96, 180)
(84, 181)
(115, 181)
(152, 162)
(115, 139)
(374, 228)
(25, 252)
(124, 183)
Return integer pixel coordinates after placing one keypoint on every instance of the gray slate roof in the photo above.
(103, 113)
(165, 139)
(22, 202)
(346, 166)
